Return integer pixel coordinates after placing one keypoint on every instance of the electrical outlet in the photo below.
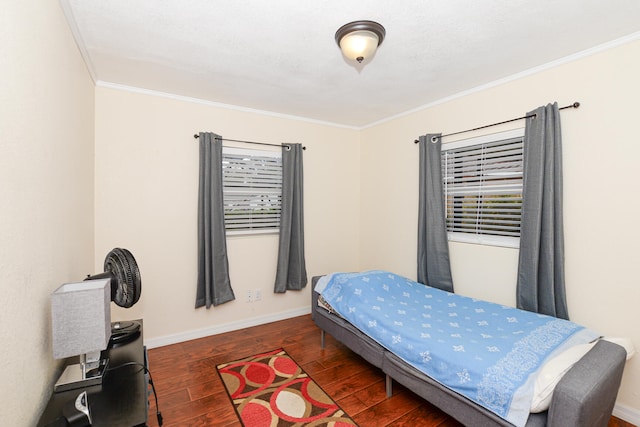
(258, 295)
(249, 296)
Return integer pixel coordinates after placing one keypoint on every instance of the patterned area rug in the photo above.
(271, 390)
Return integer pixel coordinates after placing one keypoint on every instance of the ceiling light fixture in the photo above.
(358, 40)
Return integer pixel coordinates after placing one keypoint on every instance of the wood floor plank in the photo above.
(338, 373)
(425, 414)
(350, 384)
(352, 405)
(191, 394)
(389, 410)
(374, 394)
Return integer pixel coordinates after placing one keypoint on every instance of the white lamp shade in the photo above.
(81, 317)
(359, 45)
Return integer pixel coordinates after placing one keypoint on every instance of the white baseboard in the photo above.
(626, 413)
(227, 327)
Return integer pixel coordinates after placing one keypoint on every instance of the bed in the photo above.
(582, 393)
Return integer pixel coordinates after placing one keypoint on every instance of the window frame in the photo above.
(228, 190)
(480, 238)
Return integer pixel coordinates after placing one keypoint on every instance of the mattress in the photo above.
(437, 339)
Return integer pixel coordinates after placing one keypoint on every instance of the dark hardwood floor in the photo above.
(190, 392)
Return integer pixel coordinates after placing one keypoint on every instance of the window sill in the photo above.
(477, 239)
(249, 233)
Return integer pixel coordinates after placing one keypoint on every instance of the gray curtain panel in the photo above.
(214, 286)
(291, 273)
(434, 268)
(540, 286)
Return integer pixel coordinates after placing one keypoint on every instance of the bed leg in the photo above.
(322, 338)
(389, 385)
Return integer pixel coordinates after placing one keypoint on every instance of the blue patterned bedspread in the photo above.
(487, 352)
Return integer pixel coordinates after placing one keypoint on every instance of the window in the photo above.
(483, 188)
(252, 189)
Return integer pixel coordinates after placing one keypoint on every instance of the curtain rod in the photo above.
(435, 138)
(196, 136)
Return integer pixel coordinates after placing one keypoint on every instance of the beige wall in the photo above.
(600, 177)
(46, 194)
(146, 199)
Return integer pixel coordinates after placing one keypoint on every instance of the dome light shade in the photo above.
(359, 40)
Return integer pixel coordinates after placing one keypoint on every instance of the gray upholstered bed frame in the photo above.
(584, 397)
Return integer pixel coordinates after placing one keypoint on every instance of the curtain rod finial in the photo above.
(196, 136)
(576, 104)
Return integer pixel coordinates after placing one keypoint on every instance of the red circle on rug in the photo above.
(256, 415)
(285, 365)
(259, 373)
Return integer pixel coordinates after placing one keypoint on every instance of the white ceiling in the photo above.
(280, 56)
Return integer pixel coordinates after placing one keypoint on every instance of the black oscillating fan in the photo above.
(121, 267)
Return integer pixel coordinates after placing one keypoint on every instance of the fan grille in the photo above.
(126, 282)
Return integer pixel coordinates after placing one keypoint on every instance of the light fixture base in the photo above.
(363, 25)
(79, 376)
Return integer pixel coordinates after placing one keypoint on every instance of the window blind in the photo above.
(252, 189)
(483, 188)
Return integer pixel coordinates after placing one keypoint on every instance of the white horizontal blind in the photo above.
(483, 190)
(252, 188)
